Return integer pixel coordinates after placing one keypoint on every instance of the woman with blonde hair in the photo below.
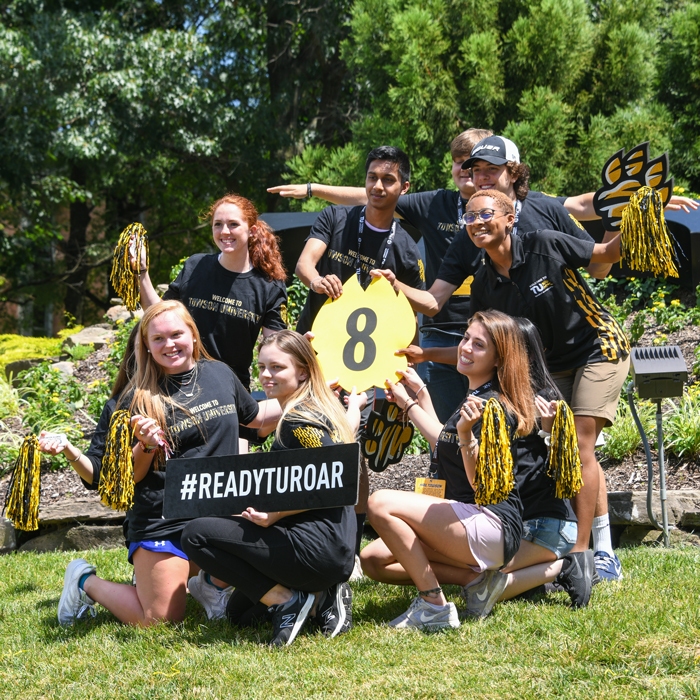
(295, 563)
(181, 404)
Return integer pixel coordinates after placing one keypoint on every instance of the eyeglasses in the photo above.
(485, 215)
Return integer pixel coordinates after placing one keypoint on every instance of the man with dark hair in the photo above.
(347, 241)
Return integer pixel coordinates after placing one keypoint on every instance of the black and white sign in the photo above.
(319, 477)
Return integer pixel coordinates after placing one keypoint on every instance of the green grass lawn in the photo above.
(637, 639)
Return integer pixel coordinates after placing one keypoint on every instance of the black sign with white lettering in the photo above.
(319, 477)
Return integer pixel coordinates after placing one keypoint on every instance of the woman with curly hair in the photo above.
(234, 293)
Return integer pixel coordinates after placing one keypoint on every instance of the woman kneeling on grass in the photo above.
(434, 540)
(293, 562)
(174, 378)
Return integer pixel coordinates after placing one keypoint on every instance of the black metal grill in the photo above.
(659, 373)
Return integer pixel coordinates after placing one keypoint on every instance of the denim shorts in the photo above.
(558, 536)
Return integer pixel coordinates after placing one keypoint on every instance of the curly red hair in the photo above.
(263, 244)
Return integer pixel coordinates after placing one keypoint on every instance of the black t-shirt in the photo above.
(536, 489)
(218, 405)
(450, 467)
(230, 308)
(538, 211)
(338, 228)
(323, 534)
(436, 215)
(546, 287)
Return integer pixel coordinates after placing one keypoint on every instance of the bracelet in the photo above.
(409, 406)
(147, 448)
(432, 592)
(419, 390)
(308, 190)
(471, 445)
(73, 461)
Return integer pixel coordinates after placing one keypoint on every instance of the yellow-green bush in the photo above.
(21, 347)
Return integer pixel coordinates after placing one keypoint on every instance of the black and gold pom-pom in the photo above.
(124, 278)
(116, 485)
(22, 499)
(646, 242)
(564, 462)
(494, 466)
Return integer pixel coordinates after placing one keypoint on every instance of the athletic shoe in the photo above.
(554, 587)
(576, 577)
(481, 598)
(608, 567)
(74, 600)
(422, 615)
(357, 573)
(288, 618)
(214, 600)
(334, 610)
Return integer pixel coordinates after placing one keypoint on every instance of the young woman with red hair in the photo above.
(234, 293)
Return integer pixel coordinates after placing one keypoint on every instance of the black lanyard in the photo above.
(389, 242)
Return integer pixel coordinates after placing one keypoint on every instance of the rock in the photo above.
(690, 520)
(636, 535)
(65, 367)
(75, 509)
(118, 313)
(12, 369)
(79, 538)
(98, 335)
(630, 507)
(8, 541)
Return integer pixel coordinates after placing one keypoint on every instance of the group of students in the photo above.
(515, 322)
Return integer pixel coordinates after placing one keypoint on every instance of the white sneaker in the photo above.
(74, 600)
(357, 573)
(211, 598)
(481, 598)
(423, 615)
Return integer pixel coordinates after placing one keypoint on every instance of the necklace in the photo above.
(187, 378)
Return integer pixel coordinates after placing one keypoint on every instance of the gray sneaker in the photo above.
(422, 615)
(74, 600)
(214, 600)
(481, 598)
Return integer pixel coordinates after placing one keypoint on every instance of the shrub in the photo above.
(622, 438)
(79, 352)
(682, 424)
(9, 398)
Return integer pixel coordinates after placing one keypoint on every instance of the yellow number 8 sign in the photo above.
(357, 335)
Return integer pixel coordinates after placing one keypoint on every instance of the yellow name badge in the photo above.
(357, 335)
(431, 487)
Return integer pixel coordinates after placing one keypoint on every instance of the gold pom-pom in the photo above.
(124, 278)
(564, 462)
(646, 242)
(116, 485)
(494, 466)
(22, 499)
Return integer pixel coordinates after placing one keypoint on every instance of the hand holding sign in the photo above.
(356, 335)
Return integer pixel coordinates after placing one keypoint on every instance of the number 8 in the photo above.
(363, 337)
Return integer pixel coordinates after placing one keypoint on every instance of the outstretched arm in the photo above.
(348, 196)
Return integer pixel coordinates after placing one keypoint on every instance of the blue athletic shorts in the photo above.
(167, 546)
(558, 536)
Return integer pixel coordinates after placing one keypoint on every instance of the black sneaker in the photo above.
(334, 611)
(576, 577)
(289, 618)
